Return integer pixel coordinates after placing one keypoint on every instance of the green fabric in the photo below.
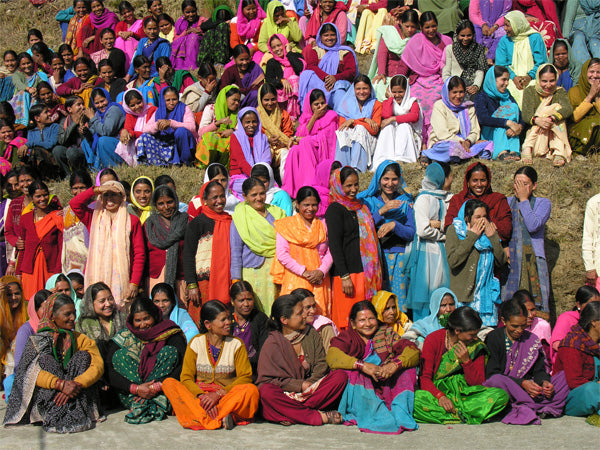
(450, 364)
(221, 110)
(393, 42)
(447, 12)
(256, 232)
(177, 79)
(219, 8)
(71, 349)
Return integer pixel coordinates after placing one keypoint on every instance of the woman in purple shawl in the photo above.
(316, 129)
(488, 18)
(186, 41)
(100, 19)
(516, 364)
(245, 74)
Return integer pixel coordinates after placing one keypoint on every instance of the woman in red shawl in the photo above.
(100, 18)
(478, 184)
(327, 11)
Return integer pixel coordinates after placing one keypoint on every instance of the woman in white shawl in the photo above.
(138, 114)
(401, 125)
(275, 195)
(216, 172)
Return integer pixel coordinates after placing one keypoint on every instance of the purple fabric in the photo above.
(446, 151)
(533, 222)
(260, 151)
(331, 60)
(246, 337)
(182, 25)
(522, 355)
(249, 259)
(251, 98)
(461, 111)
(108, 19)
(23, 335)
(321, 183)
(148, 51)
(490, 13)
(162, 113)
(184, 49)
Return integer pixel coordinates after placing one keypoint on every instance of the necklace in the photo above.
(242, 326)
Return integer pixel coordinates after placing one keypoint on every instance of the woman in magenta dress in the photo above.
(100, 19)
(186, 42)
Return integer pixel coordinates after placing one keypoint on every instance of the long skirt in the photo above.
(355, 147)
(33, 282)
(489, 42)
(156, 408)
(341, 303)
(584, 400)
(397, 142)
(279, 407)
(549, 143)
(524, 410)
(453, 151)
(184, 52)
(309, 80)
(241, 401)
(365, 34)
(212, 148)
(173, 149)
(262, 282)
(474, 404)
(428, 90)
(103, 155)
(394, 268)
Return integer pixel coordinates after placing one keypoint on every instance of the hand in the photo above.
(385, 229)
(32, 91)
(472, 89)
(347, 124)
(306, 385)
(520, 190)
(361, 8)
(224, 121)
(89, 113)
(22, 151)
(321, 112)
(85, 86)
(20, 244)
(282, 21)
(71, 388)
(163, 124)
(371, 370)
(287, 86)
(374, 125)
(209, 400)
(392, 204)
(132, 291)
(194, 296)
(466, 145)
(162, 72)
(348, 287)
(490, 229)
(314, 277)
(378, 78)
(594, 91)
(544, 122)
(447, 404)
(485, 29)
(435, 224)
(88, 41)
(61, 399)
(144, 391)
(478, 227)
(225, 133)
(210, 86)
(10, 270)
(329, 82)
(257, 82)
(388, 370)
(590, 277)
(461, 352)
(388, 121)
(531, 387)
(547, 389)
(124, 136)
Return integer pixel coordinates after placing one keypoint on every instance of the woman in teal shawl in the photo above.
(25, 81)
(61, 284)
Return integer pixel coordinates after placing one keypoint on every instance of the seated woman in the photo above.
(448, 13)
(152, 47)
(143, 80)
(248, 323)
(516, 364)
(388, 314)
(317, 126)
(391, 40)
(452, 374)
(169, 136)
(140, 357)
(164, 297)
(499, 115)
(314, 316)
(119, 60)
(138, 114)
(441, 304)
(215, 172)
(584, 132)
(381, 370)
(166, 25)
(528, 266)
(455, 131)
(245, 27)
(543, 17)
(373, 16)
(25, 80)
(83, 83)
(330, 65)
(215, 44)
(547, 108)
(42, 137)
(277, 22)
(586, 33)
(61, 284)
(561, 56)
(55, 379)
(99, 318)
(201, 93)
(216, 127)
(47, 96)
(216, 387)
(245, 74)
(58, 77)
(77, 24)
(109, 81)
(488, 18)
(13, 314)
(473, 241)
(536, 325)
(303, 258)
(465, 58)
(326, 11)
(186, 40)
(100, 19)
(292, 370)
(105, 121)
(520, 39)
(392, 210)
(167, 76)
(578, 355)
(360, 118)
(128, 31)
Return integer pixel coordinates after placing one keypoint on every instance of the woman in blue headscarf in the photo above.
(586, 32)
(392, 210)
(61, 284)
(498, 114)
(170, 135)
(426, 268)
(105, 121)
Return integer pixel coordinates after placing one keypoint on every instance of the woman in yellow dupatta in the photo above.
(141, 198)
(386, 305)
(252, 241)
(76, 24)
(13, 314)
(303, 257)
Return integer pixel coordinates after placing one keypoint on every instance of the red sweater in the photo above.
(157, 259)
(578, 366)
(123, 26)
(51, 245)
(137, 248)
(346, 69)
(376, 117)
(387, 111)
(434, 348)
(130, 121)
(239, 165)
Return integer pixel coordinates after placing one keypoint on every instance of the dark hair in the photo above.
(223, 15)
(395, 168)
(463, 25)
(66, 47)
(245, 3)
(12, 172)
(302, 293)
(456, 82)
(71, 100)
(209, 312)
(44, 85)
(315, 94)
(260, 171)
(426, 17)
(361, 306)
(139, 61)
(144, 304)
(305, 192)
(7, 110)
(131, 94)
(150, 2)
(60, 301)
(57, 56)
(28, 170)
(410, 15)
(125, 6)
(471, 206)
(249, 183)
(512, 308)
(549, 68)
(40, 297)
(559, 43)
(167, 289)
(35, 32)
(464, 318)
(98, 92)
(446, 167)
(107, 31)
(162, 61)
(163, 191)
(232, 91)
(360, 78)
(499, 71)
(42, 49)
(240, 49)
(166, 17)
(109, 171)
(399, 80)
(273, 37)
(97, 288)
(86, 62)
(6, 123)
(9, 52)
(170, 89)
(147, 20)
(22, 56)
(346, 172)
(217, 169)
(479, 167)
(62, 278)
(99, 1)
(187, 3)
(142, 180)
(593, 61)
(34, 112)
(589, 314)
(529, 172)
(75, 277)
(127, 187)
(87, 7)
(327, 27)
(267, 88)
(523, 296)
(210, 186)
(585, 293)
(205, 70)
(283, 307)
(162, 180)
(80, 176)
(279, 10)
(238, 287)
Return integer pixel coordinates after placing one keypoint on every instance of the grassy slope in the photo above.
(568, 188)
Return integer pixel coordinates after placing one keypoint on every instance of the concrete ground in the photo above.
(114, 433)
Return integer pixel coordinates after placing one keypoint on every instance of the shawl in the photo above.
(90, 325)
(167, 238)
(490, 88)
(433, 182)
(432, 323)
(154, 339)
(574, 64)
(491, 12)
(109, 258)
(577, 94)
(220, 259)
(578, 339)
(150, 47)
(369, 245)
(321, 182)
(281, 364)
(460, 111)
(273, 189)
(286, 63)
(256, 232)
(520, 26)
(330, 61)
(372, 196)
(253, 72)
(538, 87)
(313, 27)
(64, 344)
(320, 124)
(451, 365)
(162, 113)
(259, 150)
(269, 26)
(51, 284)
(349, 108)
(247, 29)
(146, 106)
(352, 344)
(470, 58)
(182, 25)
(271, 123)
(487, 288)
(9, 323)
(423, 57)
(522, 355)
(591, 8)
(393, 41)
(34, 319)
(380, 301)
(145, 211)
(107, 19)
(221, 110)
(73, 36)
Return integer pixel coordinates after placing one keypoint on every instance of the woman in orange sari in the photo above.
(77, 23)
(13, 314)
(41, 241)
(303, 257)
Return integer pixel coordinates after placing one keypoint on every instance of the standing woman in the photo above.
(141, 198)
(584, 132)
(215, 172)
(252, 240)
(75, 234)
(206, 251)
(392, 210)
(354, 246)
(245, 74)
(80, 21)
(13, 314)
(303, 257)
(117, 251)
(186, 41)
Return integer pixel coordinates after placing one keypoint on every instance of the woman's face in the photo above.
(128, 16)
(390, 312)
(171, 100)
(389, 183)
(277, 47)
(144, 71)
(156, 8)
(206, 81)
(82, 71)
(327, 6)
(329, 38)
(478, 183)
(164, 303)
(526, 182)
(101, 103)
(165, 26)
(309, 305)
(447, 305)
(233, 102)
(108, 41)
(111, 201)
(46, 96)
(243, 303)
(62, 287)
(10, 62)
(6, 135)
(242, 62)
(456, 95)
(297, 320)
(508, 29)
(362, 91)
(76, 108)
(278, 16)
(136, 104)
(317, 104)
(166, 206)
(77, 188)
(515, 325)
(67, 57)
(221, 179)
(221, 325)
(97, 8)
(269, 102)
(191, 14)
(14, 296)
(398, 93)
(350, 186)
(365, 323)
(104, 304)
(142, 194)
(548, 82)
(502, 82)
(478, 214)
(430, 29)
(80, 9)
(142, 321)
(465, 37)
(57, 65)
(256, 197)
(33, 40)
(26, 66)
(467, 337)
(151, 30)
(12, 186)
(561, 57)
(531, 312)
(250, 124)
(409, 29)
(250, 11)
(40, 199)
(593, 73)
(216, 199)
(64, 318)
(24, 181)
(308, 208)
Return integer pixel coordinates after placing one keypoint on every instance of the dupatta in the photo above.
(314, 23)
(145, 211)
(271, 123)
(221, 110)
(259, 150)
(522, 355)
(254, 229)
(330, 57)
(423, 57)
(432, 322)
(321, 182)
(460, 111)
(107, 19)
(379, 302)
(64, 344)
(450, 364)
(349, 108)
(393, 41)
(9, 322)
(247, 29)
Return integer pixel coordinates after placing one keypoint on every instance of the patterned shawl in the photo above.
(64, 344)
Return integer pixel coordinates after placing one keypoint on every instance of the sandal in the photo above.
(503, 155)
(424, 161)
(527, 159)
(559, 161)
(514, 156)
(285, 423)
(333, 417)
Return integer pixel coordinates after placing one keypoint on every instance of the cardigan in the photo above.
(505, 50)
(486, 106)
(579, 367)
(51, 245)
(532, 100)
(259, 332)
(445, 125)
(111, 125)
(344, 240)
(45, 138)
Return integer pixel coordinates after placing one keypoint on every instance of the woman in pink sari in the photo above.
(186, 43)
(542, 16)
(317, 131)
(245, 27)
(322, 183)
(327, 11)
(422, 62)
(100, 19)
(129, 31)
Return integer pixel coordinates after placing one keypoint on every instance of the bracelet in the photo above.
(192, 286)
(345, 276)
(152, 388)
(359, 364)
(60, 384)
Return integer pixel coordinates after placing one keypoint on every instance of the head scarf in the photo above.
(99, 114)
(579, 339)
(99, 175)
(259, 151)
(490, 88)
(108, 19)
(470, 58)
(221, 110)
(145, 211)
(89, 323)
(162, 113)
(254, 229)
(109, 259)
(232, 200)
(407, 101)
(51, 284)
(220, 8)
(574, 64)
(34, 319)
(349, 107)
(10, 322)
(321, 182)
(369, 246)
(273, 188)
(271, 123)
(538, 87)
(269, 27)
(307, 114)
(313, 27)
(145, 105)
(247, 29)
(423, 57)
(432, 323)
(460, 111)
(330, 61)
(520, 26)
(380, 301)
(434, 178)
(64, 344)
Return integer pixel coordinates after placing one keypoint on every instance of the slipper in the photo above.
(559, 161)
(502, 156)
(514, 156)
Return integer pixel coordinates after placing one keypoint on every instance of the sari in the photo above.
(75, 242)
(129, 45)
(184, 48)
(584, 133)
(74, 38)
(492, 13)
(289, 101)
(401, 321)
(321, 182)
(394, 42)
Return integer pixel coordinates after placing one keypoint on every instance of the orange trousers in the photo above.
(241, 401)
(341, 303)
